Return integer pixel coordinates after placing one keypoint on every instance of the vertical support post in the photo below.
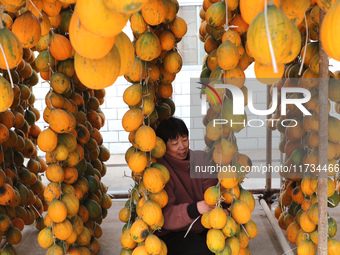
(323, 147)
(268, 154)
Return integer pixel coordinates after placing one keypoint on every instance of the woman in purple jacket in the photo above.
(186, 194)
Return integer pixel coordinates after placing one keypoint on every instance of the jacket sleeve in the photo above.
(208, 182)
(175, 216)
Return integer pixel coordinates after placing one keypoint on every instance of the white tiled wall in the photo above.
(116, 139)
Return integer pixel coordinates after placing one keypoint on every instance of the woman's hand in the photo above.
(203, 207)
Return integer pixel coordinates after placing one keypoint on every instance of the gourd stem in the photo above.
(245, 230)
(329, 201)
(35, 209)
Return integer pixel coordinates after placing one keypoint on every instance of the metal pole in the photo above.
(268, 154)
(276, 228)
(323, 147)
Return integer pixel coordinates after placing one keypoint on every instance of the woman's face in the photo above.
(179, 147)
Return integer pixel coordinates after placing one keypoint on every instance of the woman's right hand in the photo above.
(203, 207)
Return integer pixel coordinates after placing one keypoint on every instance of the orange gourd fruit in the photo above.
(128, 6)
(45, 238)
(215, 16)
(292, 231)
(217, 218)
(154, 12)
(27, 28)
(6, 194)
(139, 231)
(60, 47)
(62, 230)
(7, 94)
(12, 49)
(227, 55)
(98, 73)
(251, 229)
(240, 212)
(98, 19)
(57, 211)
(133, 94)
(280, 32)
(153, 244)
(71, 203)
(211, 195)
(160, 148)
(173, 62)
(215, 240)
(160, 198)
(178, 27)
(60, 83)
(151, 212)
(52, 190)
(306, 223)
(132, 119)
(55, 173)
(153, 179)
(333, 246)
(137, 161)
(86, 43)
(52, 8)
(127, 240)
(84, 237)
(265, 73)
(167, 40)
(61, 121)
(325, 4)
(126, 52)
(328, 33)
(306, 246)
(148, 46)
(13, 235)
(145, 138)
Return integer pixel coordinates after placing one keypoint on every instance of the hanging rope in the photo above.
(305, 49)
(289, 250)
(8, 70)
(271, 49)
(191, 226)
(35, 8)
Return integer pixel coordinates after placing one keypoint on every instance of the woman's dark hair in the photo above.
(171, 128)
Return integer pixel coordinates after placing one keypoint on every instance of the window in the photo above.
(191, 48)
